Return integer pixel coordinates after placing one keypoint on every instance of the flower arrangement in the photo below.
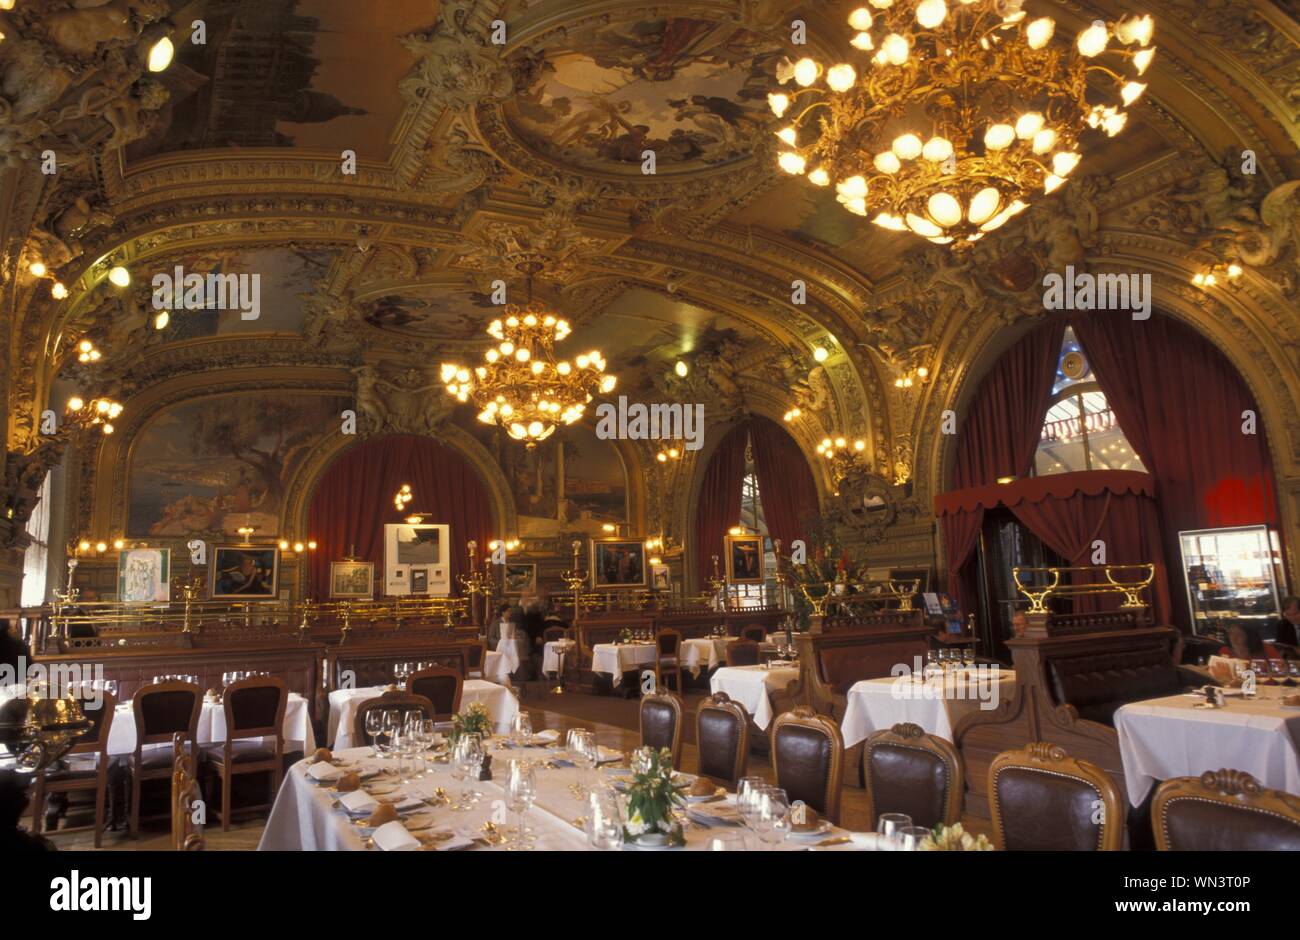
(651, 798)
(625, 635)
(474, 720)
(954, 839)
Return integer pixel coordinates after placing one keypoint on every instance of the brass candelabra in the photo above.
(476, 581)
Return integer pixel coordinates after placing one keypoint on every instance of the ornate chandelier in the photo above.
(963, 112)
(522, 387)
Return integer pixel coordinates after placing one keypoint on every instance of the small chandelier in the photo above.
(964, 110)
(522, 387)
(842, 455)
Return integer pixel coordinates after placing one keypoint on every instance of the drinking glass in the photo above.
(909, 838)
(522, 727)
(388, 727)
(521, 789)
(747, 793)
(891, 825)
(471, 763)
(374, 724)
(584, 756)
(772, 820)
(604, 820)
(726, 842)
(968, 656)
(401, 749)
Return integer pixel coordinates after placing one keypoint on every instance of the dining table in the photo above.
(704, 653)
(752, 687)
(935, 702)
(211, 728)
(500, 701)
(308, 817)
(614, 659)
(496, 668)
(1178, 736)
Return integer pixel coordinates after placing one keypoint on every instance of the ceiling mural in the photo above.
(694, 91)
(444, 315)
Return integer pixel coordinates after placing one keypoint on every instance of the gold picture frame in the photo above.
(244, 572)
(745, 564)
(346, 578)
(618, 564)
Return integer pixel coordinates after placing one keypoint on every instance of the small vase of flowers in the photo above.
(954, 839)
(651, 798)
(474, 720)
(625, 635)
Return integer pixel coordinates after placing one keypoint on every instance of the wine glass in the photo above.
(374, 724)
(910, 838)
(604, 820)
(747, 793)
(968, 656)
(387, 728)
(891, 825)
(471, 758)
(401, 749)
(521, 789)
(584, 755)
(772, 819)
(522, 728)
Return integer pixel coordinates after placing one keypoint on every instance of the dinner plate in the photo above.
(719, 794)
(418, 822)
(812, 835)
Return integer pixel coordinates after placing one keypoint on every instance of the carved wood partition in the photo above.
(830, 663)
(1033, 712)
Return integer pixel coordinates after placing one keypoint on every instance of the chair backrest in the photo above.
(255, 707)
(722, 735)
(164, 708)
(808, 756)
(187, 836)
(668, 642)
(909, 771)
(742, 653)
(475, 655)
(1224, 810)
(441, 686)
(661, 723)
(1042, 799)
(95, 739)
(754, 631)
(394, 699)
(551, 634)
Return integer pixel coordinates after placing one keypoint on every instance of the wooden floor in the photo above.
(614, 719)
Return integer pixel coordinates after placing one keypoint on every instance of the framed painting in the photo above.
(661, 578)
(244, 572)
(520, 578)
(143, 575)
(744, 559)
(617, 563)
(411, 548)
(420, 580)
(352, 579)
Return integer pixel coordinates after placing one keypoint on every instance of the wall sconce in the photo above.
(1217, 274)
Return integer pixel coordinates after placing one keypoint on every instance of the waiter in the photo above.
(1286, 628)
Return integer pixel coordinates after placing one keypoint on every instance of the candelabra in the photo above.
(575, 577)
(718, 584)
(189, 589)
(476, 581)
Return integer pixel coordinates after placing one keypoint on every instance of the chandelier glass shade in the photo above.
(521, 386)
(959, 112)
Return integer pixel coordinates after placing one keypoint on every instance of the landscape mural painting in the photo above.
(214, 465)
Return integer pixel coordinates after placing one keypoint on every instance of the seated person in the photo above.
(1246, 643)
(1286, 629)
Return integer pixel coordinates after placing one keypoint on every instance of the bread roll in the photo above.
(349, 782)
(323, 755)
(384, 813)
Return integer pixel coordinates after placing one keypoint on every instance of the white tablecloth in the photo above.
(551, 655)
(1171, 737)
(303, 817)
(618, 658)
(513, 652)
(936, 705)
(496, 669)
(500, 702)
(705, 652)
(752, 686)
(212, 726)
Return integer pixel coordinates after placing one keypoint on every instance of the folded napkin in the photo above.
(393, 837)
(452, 844)
(408, 804)
(777, 663)
(358, 803)
(869, 842)
(719, 814)
(548, 735)
(607, 755)
(324, 773)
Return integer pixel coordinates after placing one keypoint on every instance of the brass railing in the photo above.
(1128, 580)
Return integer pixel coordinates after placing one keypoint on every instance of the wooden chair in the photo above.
(909, 771)
(553, 634)
(661, 724)
(62, 777)
(441, 686)
(1224, 810)
(668, 657)
(808, 757)
(754, 631)
(187, 835)
(393, 699)
(254, 710)
(722, 735)
(1044, 800)
(161, 710)
(743, 653)
(475, 657)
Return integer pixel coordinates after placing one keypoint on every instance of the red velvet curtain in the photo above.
(354, 499)
(1000, 431)
(1180, 403)
(785, 481)
(718, 508)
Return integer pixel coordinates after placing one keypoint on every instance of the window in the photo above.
(1080, 431)
(751, 516)
(36, 557)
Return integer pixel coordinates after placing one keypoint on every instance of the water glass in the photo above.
(909, 838)
(521, 790)
(726, 842)
(891, 825)
(748, 792)
(390, 725)
(522, 728)
(604, 820)
(374, 723)
(772, 819)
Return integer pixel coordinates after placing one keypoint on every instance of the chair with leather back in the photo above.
(70, 776)
(661, 723)
(808, 756)
(475, 657)
(722, 736)
(909, 771)
(441, 686)
(554, 634)
(754, 631)
(161, 710)
(254, 711)
(742, 653)
(1041, 799)
(1224, 811)
(668, 657)
(391, 700)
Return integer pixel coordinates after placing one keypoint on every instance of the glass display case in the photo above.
(1233, 575)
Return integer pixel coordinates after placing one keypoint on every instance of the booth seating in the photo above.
(1067, 691)
(830, 663)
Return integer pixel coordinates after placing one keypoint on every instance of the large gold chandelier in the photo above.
(521, 386)
(964, 110)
